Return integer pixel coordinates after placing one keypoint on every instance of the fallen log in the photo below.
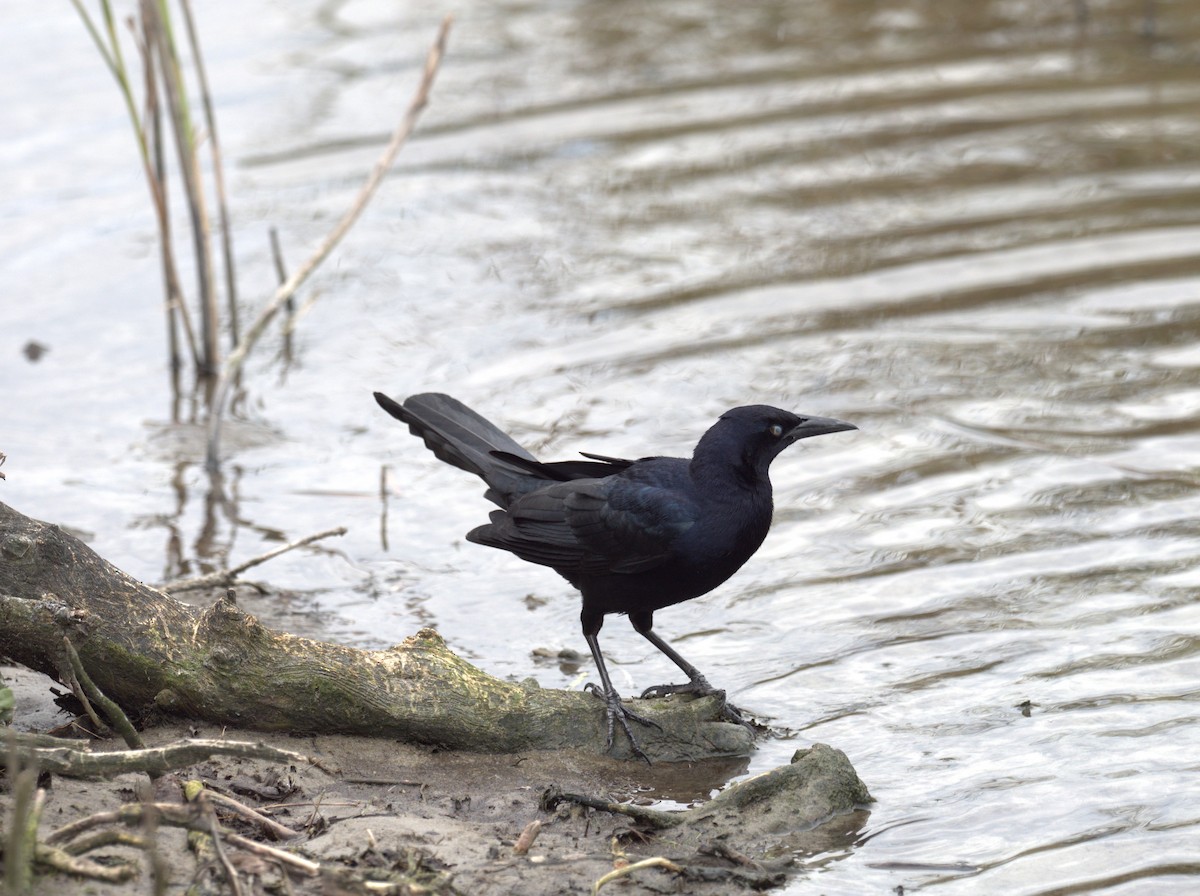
(148, 651)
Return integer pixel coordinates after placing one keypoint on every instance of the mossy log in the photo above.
(146, 651)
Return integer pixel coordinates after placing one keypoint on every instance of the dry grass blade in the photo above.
(158, 31)
(214, 144)
(237, 357)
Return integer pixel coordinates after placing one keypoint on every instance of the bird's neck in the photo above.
(717, 474)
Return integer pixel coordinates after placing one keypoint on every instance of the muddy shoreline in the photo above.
(383, 811)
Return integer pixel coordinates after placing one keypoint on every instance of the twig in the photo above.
(76, 763)
(101, 839)
(656, 862)
(227, 576)
(60, 860)
(116, 717)
(299, 863)
(237, 357)
(192, 816)
(130, 814)
(218, 848)
(28, 739)
(76, 686)
(270, 825)
(723, 850)
(656, 818)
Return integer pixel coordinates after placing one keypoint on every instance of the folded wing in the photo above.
(592, 526)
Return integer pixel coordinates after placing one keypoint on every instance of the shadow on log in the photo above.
(147, 650)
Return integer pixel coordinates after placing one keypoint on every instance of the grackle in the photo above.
(633, 536)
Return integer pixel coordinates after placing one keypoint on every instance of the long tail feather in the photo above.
(462, 438)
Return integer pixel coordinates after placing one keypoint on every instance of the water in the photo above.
(970, 228)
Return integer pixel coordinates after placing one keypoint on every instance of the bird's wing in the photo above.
(593, 526)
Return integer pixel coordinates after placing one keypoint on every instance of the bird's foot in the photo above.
(616, 711)
(700, 687)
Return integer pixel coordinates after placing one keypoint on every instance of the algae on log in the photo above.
(145, 649)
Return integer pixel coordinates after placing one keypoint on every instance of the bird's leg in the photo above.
(697, 683)
(614, 709)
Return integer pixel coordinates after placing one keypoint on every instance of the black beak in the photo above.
(817, 426)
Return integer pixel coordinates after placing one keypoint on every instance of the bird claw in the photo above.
(700, 687)
(616, 711)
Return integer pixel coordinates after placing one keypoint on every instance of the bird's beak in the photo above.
(817, 426)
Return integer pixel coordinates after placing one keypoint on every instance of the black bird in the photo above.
(633, 536)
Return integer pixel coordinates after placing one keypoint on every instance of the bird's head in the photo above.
(753, 435)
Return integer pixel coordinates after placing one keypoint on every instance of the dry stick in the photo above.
(101, 839)
(189, 168)
(210, 120)
(312, 869)
(158, 760)
(29, 740)
(60, 860)
(657, 861)
(723, 850)
(218, 848)
(238, 356)
(116, 717)
(270, 825)
(656, 818)
(227, 577)
(81, 695)
(189, 816)
(174, 814)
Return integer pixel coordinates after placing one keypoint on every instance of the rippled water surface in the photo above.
(972, 228)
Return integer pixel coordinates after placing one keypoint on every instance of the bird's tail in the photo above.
(462, 438)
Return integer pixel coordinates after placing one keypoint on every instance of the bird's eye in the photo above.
(776, 430)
